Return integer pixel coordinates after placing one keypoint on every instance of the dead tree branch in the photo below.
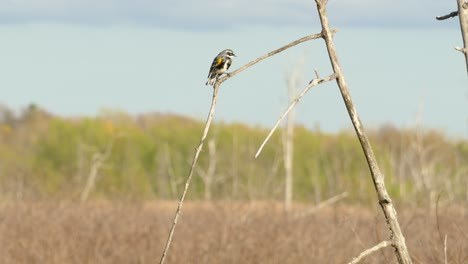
(463, 16)
(462, 13)
(371, 250)
(293, 79)
(311, 84)
(97, 161)
(271, 53)
(208, 175)
(189, 177)
(323, 204)
(445, 249)
(396, 236)
(207, 127)
(453, 14)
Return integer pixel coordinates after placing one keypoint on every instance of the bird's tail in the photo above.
(210, 81)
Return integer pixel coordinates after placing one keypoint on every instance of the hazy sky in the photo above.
(76, 57)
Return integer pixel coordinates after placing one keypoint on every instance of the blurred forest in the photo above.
(119, 156)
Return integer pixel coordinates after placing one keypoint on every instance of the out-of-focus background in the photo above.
(103, 104)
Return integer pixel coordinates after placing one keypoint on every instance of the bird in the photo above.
(220, 65)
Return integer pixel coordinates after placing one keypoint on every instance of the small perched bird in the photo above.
(220, 65)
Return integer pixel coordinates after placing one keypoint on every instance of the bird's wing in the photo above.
(216, 63)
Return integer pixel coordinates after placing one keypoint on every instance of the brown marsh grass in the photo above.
(222, 232)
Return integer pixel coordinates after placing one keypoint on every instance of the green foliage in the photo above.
(148, 156)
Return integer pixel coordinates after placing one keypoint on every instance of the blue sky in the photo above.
(227, 13)
(79, 57)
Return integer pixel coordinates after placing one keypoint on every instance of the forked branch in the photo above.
(271, 53)
(371, 250)
(313, 83)
(97, 161)
(207, 127)
(462, 14)
(396, 235)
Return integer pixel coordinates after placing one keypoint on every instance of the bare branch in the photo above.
(208, 123)
(397, 238)
(316, 74)
(462, 13)
(271, 53)
(97, 161)
(462, 50)
(453, 14)
(291, 106)
(371, 250)
(208, 175)
(445, 249)
(323, 204)
(463, 17)
(189, 177)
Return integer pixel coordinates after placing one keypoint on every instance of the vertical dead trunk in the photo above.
(463, 16)
(289, 146)
(397, 238)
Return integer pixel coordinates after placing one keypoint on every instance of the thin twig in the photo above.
(445, 249)
(369, 251)
(323, 204)
(189, 177)
(97, 161)
(291, 106)
(437, 217)
(462, 14)
(271, 53)
(453, 14)
(462, 50)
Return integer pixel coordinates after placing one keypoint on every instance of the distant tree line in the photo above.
(43, 156)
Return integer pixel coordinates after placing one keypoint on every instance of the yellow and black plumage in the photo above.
(220, 65)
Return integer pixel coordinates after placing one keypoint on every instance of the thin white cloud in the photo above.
(391, 13)
(209, 14)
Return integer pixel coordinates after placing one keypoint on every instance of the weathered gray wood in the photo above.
(463, 16)
(313, 83)
(216, 88)
(396, 236)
